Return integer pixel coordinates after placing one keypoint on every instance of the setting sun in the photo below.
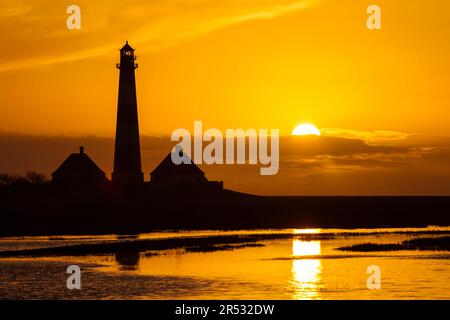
(305, 129)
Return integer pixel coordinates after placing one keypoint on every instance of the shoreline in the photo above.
(199, 244)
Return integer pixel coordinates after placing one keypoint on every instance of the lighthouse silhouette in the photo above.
(127, 153)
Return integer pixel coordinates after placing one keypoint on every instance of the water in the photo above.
(280, 269)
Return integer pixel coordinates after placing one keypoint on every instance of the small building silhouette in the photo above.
(79, 169)
(168, 174)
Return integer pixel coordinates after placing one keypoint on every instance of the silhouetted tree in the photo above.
(36, 177)
(6, 179)
(30, 178)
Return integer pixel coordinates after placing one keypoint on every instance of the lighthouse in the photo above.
(127, 153)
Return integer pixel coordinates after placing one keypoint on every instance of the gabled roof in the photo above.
(167, 167)
(78, 163)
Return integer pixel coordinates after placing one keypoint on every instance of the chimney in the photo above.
(81, 149)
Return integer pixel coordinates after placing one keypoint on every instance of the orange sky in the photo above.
(248, 64)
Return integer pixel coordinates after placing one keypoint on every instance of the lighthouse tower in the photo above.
(127, 153)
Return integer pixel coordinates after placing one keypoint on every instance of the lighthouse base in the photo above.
(128, 177)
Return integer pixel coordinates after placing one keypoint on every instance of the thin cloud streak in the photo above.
(154, 27)
(376, 137)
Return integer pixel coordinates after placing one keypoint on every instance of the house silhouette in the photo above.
(79, 169)
(168, 173)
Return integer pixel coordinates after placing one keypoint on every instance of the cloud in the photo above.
(308, 165)
(343, 151)
(377, 137)
(35, 31)
(9, 9)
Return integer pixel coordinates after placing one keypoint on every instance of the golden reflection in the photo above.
(305, 272)
(306, 231)
(305, 248)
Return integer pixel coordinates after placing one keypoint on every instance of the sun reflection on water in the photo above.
(306, 231)
(305, 272)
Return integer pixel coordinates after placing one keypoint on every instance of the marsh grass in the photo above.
(425, 244)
